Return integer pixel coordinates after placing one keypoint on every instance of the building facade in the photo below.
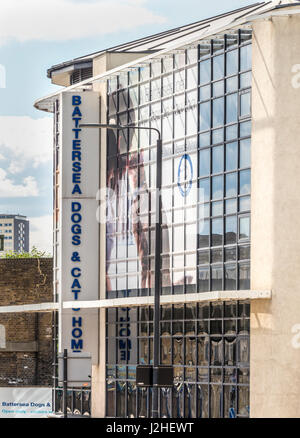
(26, 339)
(223, 93)
(14, 233)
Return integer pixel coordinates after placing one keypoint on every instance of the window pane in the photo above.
(232, 84)
(178, 243)
(231, 108)
(217, 159)
(217, 208)
(144, 112)
(205, 92)
(245, 80)
(167, 127)
(245, 181)
(230, 206)
(203, 233)
(217, 187)
(245, 153)
(230, 278)
(244, 203)
(145, 73)
(203, 278)
(191, 121)
(246, 57)
(245, 129)
(179, 125)
(179, 59)
(192, 144)
(204, 190)
(216, 278)
(231, 156)
(231, 132)
(216, 255)
(204, 211)
(205, 71)
(167, 86)
(217, 136)
(192, 55)
(245, 104)
(218, 112)
(204, 139)
(204, 116)
(203, 257)
(179, 81)
(217, 232)
(218, 88)
(192, 98)
(155, 89)
(230, 229)
(244, 277)
(230, 254)
(244, 252)
(231, 184)
(133, 96)
(232, 66)
(133, 77)
(112, 103)
(204, 158)
(244, 227)
(156, 68)
(218, 67)
(192, 77)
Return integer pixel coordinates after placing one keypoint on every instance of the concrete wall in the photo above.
(275, 219)
(100, 65)
(26, 338)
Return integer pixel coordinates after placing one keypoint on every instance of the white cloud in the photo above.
(41, 233)
(28, 141)
(56, 20)
(8, 189)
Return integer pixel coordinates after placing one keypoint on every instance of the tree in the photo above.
(33, 254)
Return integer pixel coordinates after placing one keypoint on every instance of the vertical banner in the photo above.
(79, 229)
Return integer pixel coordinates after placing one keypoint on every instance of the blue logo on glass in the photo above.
(185, 175)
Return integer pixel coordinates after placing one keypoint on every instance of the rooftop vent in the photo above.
(81, 74)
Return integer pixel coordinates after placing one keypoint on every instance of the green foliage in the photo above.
(33, 254)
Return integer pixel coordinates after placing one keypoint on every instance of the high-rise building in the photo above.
(224, 93)
(14, 233)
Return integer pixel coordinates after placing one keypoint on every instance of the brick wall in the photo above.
(26, 353)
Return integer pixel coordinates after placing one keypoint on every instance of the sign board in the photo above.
(78, 247)
(34, 402)
(79, 369)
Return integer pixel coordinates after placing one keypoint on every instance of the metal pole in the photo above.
(65, 383)
(157, 281)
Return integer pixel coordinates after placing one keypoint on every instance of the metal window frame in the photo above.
(210, 367)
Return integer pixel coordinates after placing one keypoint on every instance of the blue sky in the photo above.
(34, 35)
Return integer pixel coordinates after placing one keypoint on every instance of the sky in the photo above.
(34, 35)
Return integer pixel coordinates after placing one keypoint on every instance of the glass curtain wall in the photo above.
(208, 345)
(200, 100)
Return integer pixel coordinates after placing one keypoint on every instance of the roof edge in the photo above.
(113, 49)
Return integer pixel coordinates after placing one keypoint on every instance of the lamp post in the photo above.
(157, 264)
